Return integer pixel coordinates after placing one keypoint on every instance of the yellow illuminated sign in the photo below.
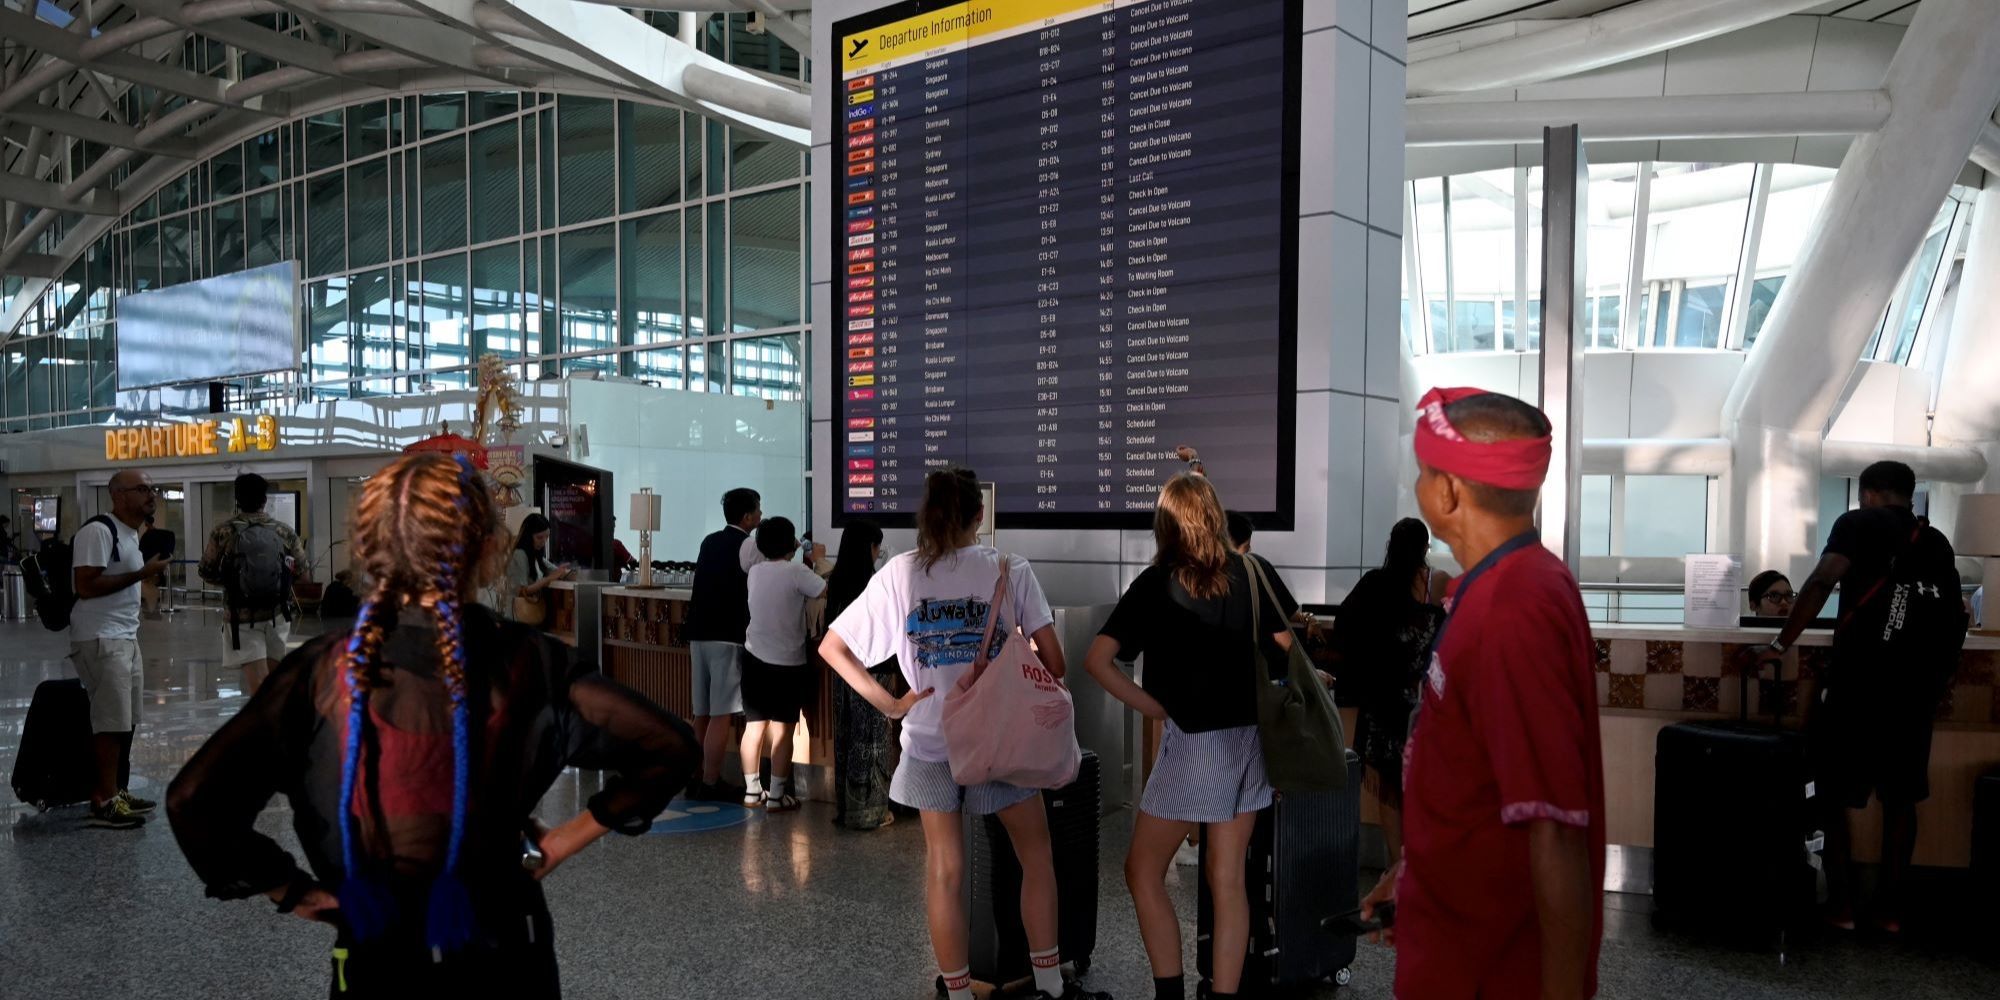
(958, 24)
(191, 440)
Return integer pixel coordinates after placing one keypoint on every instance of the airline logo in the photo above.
(860, 83)
(862, 351)
(864, 295)
(861, 169)
(861, 464)
(860, 423)
(862, 438)
(865, 365)
(858, 113)
(861, 253)
(858, 181)
(861, 212)
(858, 380)
(865, 267)
(861, 226)
(860, 395)
(861, 197)
(860, 479)
(864, 125)
(860, 310)
(862, 324)
(861, 240)
(864, 153)
(861, 97)
(863, 139)
(863, 492)
(865, 281)
(862, 451)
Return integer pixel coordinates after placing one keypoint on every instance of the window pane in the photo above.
(1665, 516)
(15, 361)
(1763, 293)
(261, 159)
(442, 317)
(323, 147)
(496, 301)
(227, 168)
(755, 160)
(694, 157)
(491, 104)
(1700, 323)
(103, 367)
(697, 294)
(442, 113)
(327, 347)
(1605, 321)
(767, 367)
(176, 260)
(374, 315)
(650, 175)
(589, 296)
(368, 213)
(652, 259)
(72, 361)
(227, 225)
(326, 225)
(765, 260)
(444, 195)
(266, 243)
(1916, 293)
(1697, 220)
(1797, 192)
(496, 170)
(367, 129)
(1473, 326)
(1482, 252)
(718, 272)
(585, 146)
(666, 366)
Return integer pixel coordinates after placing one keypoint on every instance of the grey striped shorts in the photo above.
(1210, 777)
(929, 786)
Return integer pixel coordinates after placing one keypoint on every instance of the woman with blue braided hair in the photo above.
(413, 749)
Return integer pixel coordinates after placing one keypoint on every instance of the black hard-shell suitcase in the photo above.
(1303, 868)
(1735, 829)
(999, 943)
(1986, 833)
(56, 763)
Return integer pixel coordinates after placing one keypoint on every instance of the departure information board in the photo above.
(1065, 243)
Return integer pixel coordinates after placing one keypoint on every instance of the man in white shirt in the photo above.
(106, 568)
(777, 676)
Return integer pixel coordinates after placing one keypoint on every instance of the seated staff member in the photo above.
(1497, 891)
(1771, 595)
(777, 682)
(1190, 614)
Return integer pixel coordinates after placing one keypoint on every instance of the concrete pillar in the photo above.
(1968, 409)
(1942, 84)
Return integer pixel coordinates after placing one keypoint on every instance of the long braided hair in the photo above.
(421, 532)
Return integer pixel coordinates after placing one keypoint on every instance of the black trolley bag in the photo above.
(56, 764)
(999, 941)
(1735, 829)
(1302, 874)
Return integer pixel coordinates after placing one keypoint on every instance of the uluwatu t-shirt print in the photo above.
(931, 621)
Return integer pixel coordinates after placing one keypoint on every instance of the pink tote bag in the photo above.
(1009, 719)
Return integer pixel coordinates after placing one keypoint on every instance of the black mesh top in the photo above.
(539, 716)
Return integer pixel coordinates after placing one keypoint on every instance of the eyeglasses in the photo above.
(1780, 596)
(153, 490)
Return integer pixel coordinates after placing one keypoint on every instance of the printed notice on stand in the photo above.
(1714, 587)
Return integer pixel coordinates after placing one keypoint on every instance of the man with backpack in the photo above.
(1902, 624)
(105, 567)
(254, 558)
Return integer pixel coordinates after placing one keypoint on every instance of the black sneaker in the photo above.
(114, 815)
(1072, 991)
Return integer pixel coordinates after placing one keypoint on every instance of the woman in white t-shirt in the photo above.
(777, 682)
(928, 609)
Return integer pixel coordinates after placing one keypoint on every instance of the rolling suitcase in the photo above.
(1986, 833)
(999, 943)
(56, 764)
(1303, 868)
(1734, 829)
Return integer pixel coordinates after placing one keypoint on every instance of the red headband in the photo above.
(1520, 464)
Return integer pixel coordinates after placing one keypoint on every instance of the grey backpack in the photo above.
(257, 583)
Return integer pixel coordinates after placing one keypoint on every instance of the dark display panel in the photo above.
(1065, 242)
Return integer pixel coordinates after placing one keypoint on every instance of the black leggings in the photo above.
(515, 957)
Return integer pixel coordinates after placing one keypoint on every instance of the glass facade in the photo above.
(1693, 231)
(573, 235)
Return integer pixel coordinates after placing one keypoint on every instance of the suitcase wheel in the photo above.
(1343, 977)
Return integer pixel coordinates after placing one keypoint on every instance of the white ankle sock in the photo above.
(958, 985)
(1048, 971)
(780, 786)
(753, 785)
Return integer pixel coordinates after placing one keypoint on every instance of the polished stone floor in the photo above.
(777, 907)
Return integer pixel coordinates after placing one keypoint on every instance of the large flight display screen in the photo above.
(1065, 242)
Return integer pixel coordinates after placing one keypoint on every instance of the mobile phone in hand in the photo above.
(1351, 923)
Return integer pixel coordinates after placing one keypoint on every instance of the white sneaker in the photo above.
(1187, 855)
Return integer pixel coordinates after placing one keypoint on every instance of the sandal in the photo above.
(781, 803)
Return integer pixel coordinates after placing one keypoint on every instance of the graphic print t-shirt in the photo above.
(932, 623)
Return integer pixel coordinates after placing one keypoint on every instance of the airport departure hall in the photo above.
(1465, 498)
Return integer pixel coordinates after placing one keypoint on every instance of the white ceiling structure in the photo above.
(69, 67)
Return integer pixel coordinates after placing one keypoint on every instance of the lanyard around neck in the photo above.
(1507, 548)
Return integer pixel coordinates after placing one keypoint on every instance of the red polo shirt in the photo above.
(1508, 735)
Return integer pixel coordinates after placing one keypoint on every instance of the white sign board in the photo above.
(1714, 588)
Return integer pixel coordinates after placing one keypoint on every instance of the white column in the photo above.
(1968, 409)
(1942, 83)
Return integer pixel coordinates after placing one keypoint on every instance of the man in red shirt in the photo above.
(1497, 891)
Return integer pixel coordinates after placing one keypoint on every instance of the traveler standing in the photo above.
(777, 683)
(1190, 614)
(861, 733)
(1498, 890)
(254, 559)
(929, 609)
(529, 574)
(413, 748)
(1383, 636)
(1868, 730)
(718, 617)
(104, 641)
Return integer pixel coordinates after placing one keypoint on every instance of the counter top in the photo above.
(656, 593)
(1741, 636)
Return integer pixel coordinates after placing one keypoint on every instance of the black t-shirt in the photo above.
(719, 609)
(1384, 637)
(1870, 538)
(1198, 652)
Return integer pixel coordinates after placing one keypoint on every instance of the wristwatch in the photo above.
(1777, 646)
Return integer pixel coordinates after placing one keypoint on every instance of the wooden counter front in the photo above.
(645, 650)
